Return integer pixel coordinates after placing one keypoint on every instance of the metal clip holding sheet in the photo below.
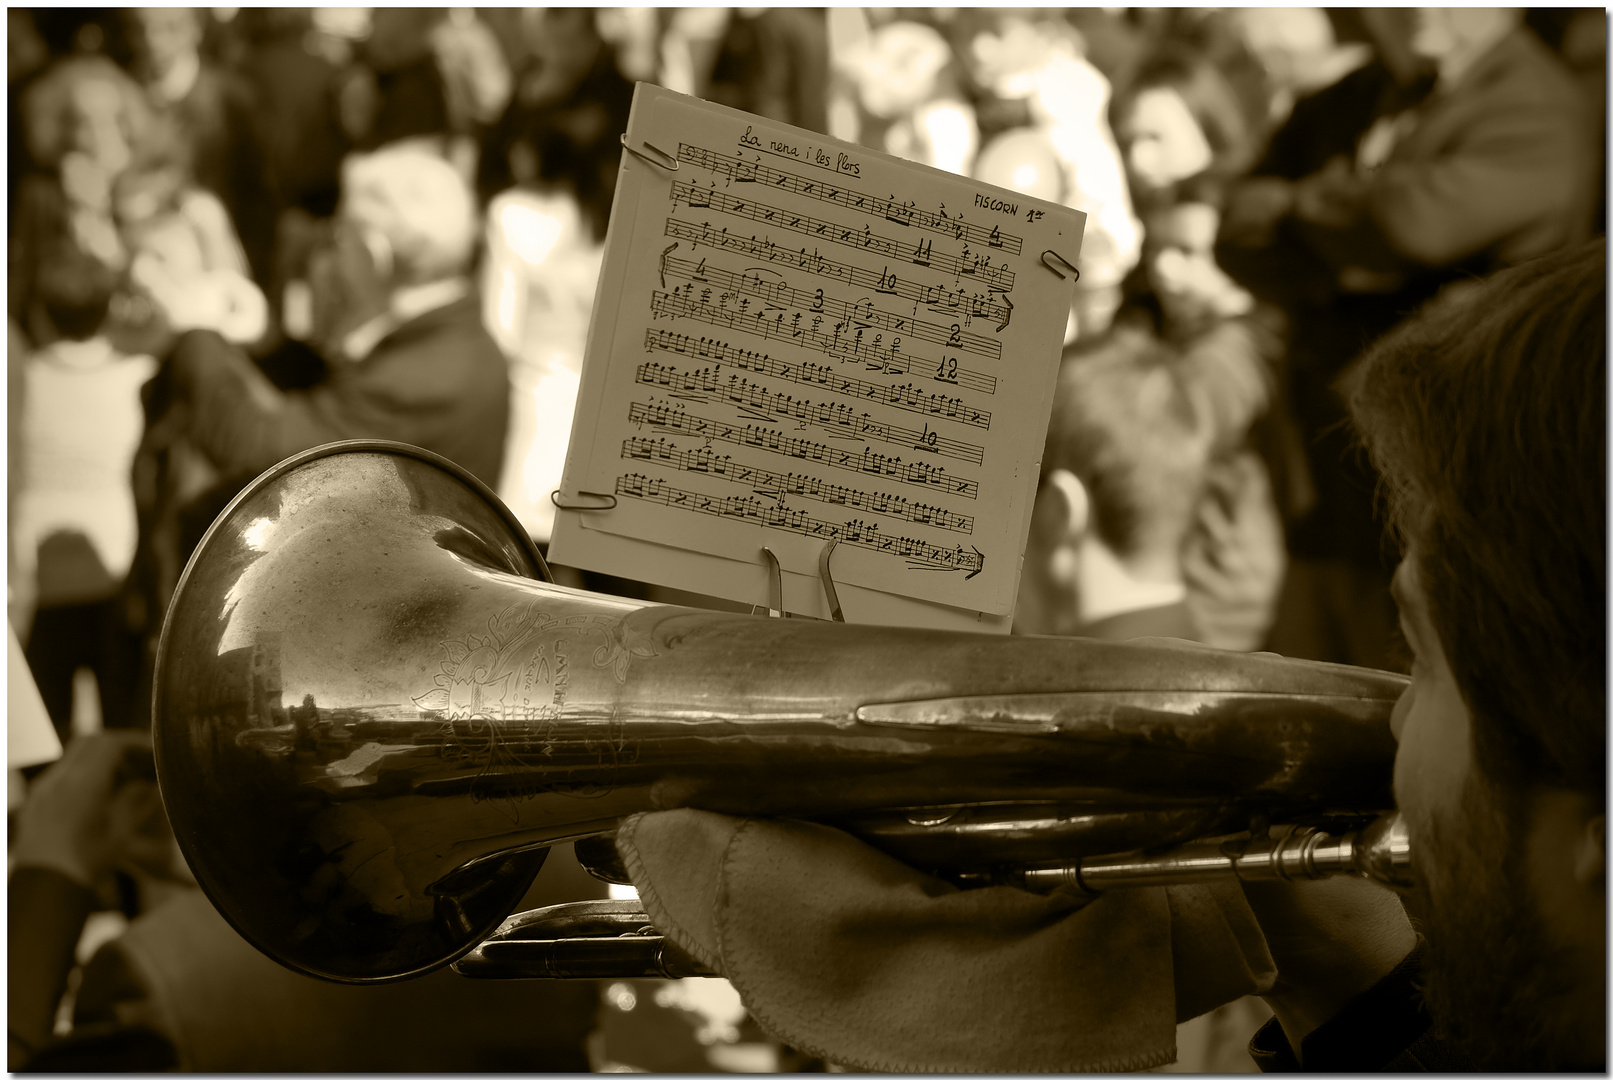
(606, 501)
(666, 161)
(829, 581)
(1047, 260)
(775, 584)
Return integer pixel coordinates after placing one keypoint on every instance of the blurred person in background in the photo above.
(1125, 464)
(83, 120)
(395, 317)
(543, 172)
(213, 111)
(177, 988)
(1234, 557)
(428, 73)
(773, 62)
(182, 251)
(73, 526)
(1182, 128)
(294, 81)
(1044, 111)
(1458, 151)
(1492, 168)
(562, 127)
(907, 89)
(26, 55)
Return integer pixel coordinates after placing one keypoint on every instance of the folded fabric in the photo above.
(844, 953)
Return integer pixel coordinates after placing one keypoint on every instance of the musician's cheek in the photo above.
(1397, 719)
(1433, 726)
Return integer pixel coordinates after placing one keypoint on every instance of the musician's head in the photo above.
(413, 210)
(1124, 465)
(406, 218)
(1486, 415)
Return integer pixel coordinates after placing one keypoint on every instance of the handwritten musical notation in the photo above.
(920, 554)
(767, 482)
(707, 348)
(840, 340)
(861, 313)
(709, 382)
(844, 421)
(771, 440)
(740, 171)
(921, 253)
(801, 340)
(960, 303)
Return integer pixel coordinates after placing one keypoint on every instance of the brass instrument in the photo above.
(373, 715)
(600, 939)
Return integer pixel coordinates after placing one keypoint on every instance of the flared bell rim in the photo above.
(518, 872)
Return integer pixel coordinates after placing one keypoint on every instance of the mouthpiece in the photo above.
(1379, 852)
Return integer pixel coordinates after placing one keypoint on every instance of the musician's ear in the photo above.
(1071, 497)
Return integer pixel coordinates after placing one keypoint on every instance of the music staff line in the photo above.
(831, 418)
(863, 311)
(767, 482)
(906, 397)
(676, 305)
(920, 254)
(771, 440)
(741, 171)
(937, 299)
(920, 554)
(717, 351)
(741, 391)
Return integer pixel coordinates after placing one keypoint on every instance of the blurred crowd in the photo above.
(240, 233)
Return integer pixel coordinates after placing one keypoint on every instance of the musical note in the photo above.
(842, 341)
(767, 482)
(921, 554)
(980, 266)
(966, 303)
(902, 213)
(677, 419)
(906, 397)
(864, 312)
(715, 349)
(839, 420)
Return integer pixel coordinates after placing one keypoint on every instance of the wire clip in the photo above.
(607, 501)
(667, 162)
(775, 585)
(829, 581)
(1049, 255)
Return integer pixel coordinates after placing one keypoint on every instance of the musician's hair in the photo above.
(1486, 415)
(1126, 422)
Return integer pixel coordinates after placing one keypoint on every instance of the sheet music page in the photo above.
(797, 339)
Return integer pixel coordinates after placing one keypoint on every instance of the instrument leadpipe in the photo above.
(615, 939)
(372, 716)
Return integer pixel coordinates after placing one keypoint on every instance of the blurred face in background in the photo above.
(162, 36)
(1192, 288)
(564, 44)
(1163, 142)
(349, 273)
(1443, 33)
(96, 124)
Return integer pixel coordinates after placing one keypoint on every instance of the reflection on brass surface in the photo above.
(372, 717)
